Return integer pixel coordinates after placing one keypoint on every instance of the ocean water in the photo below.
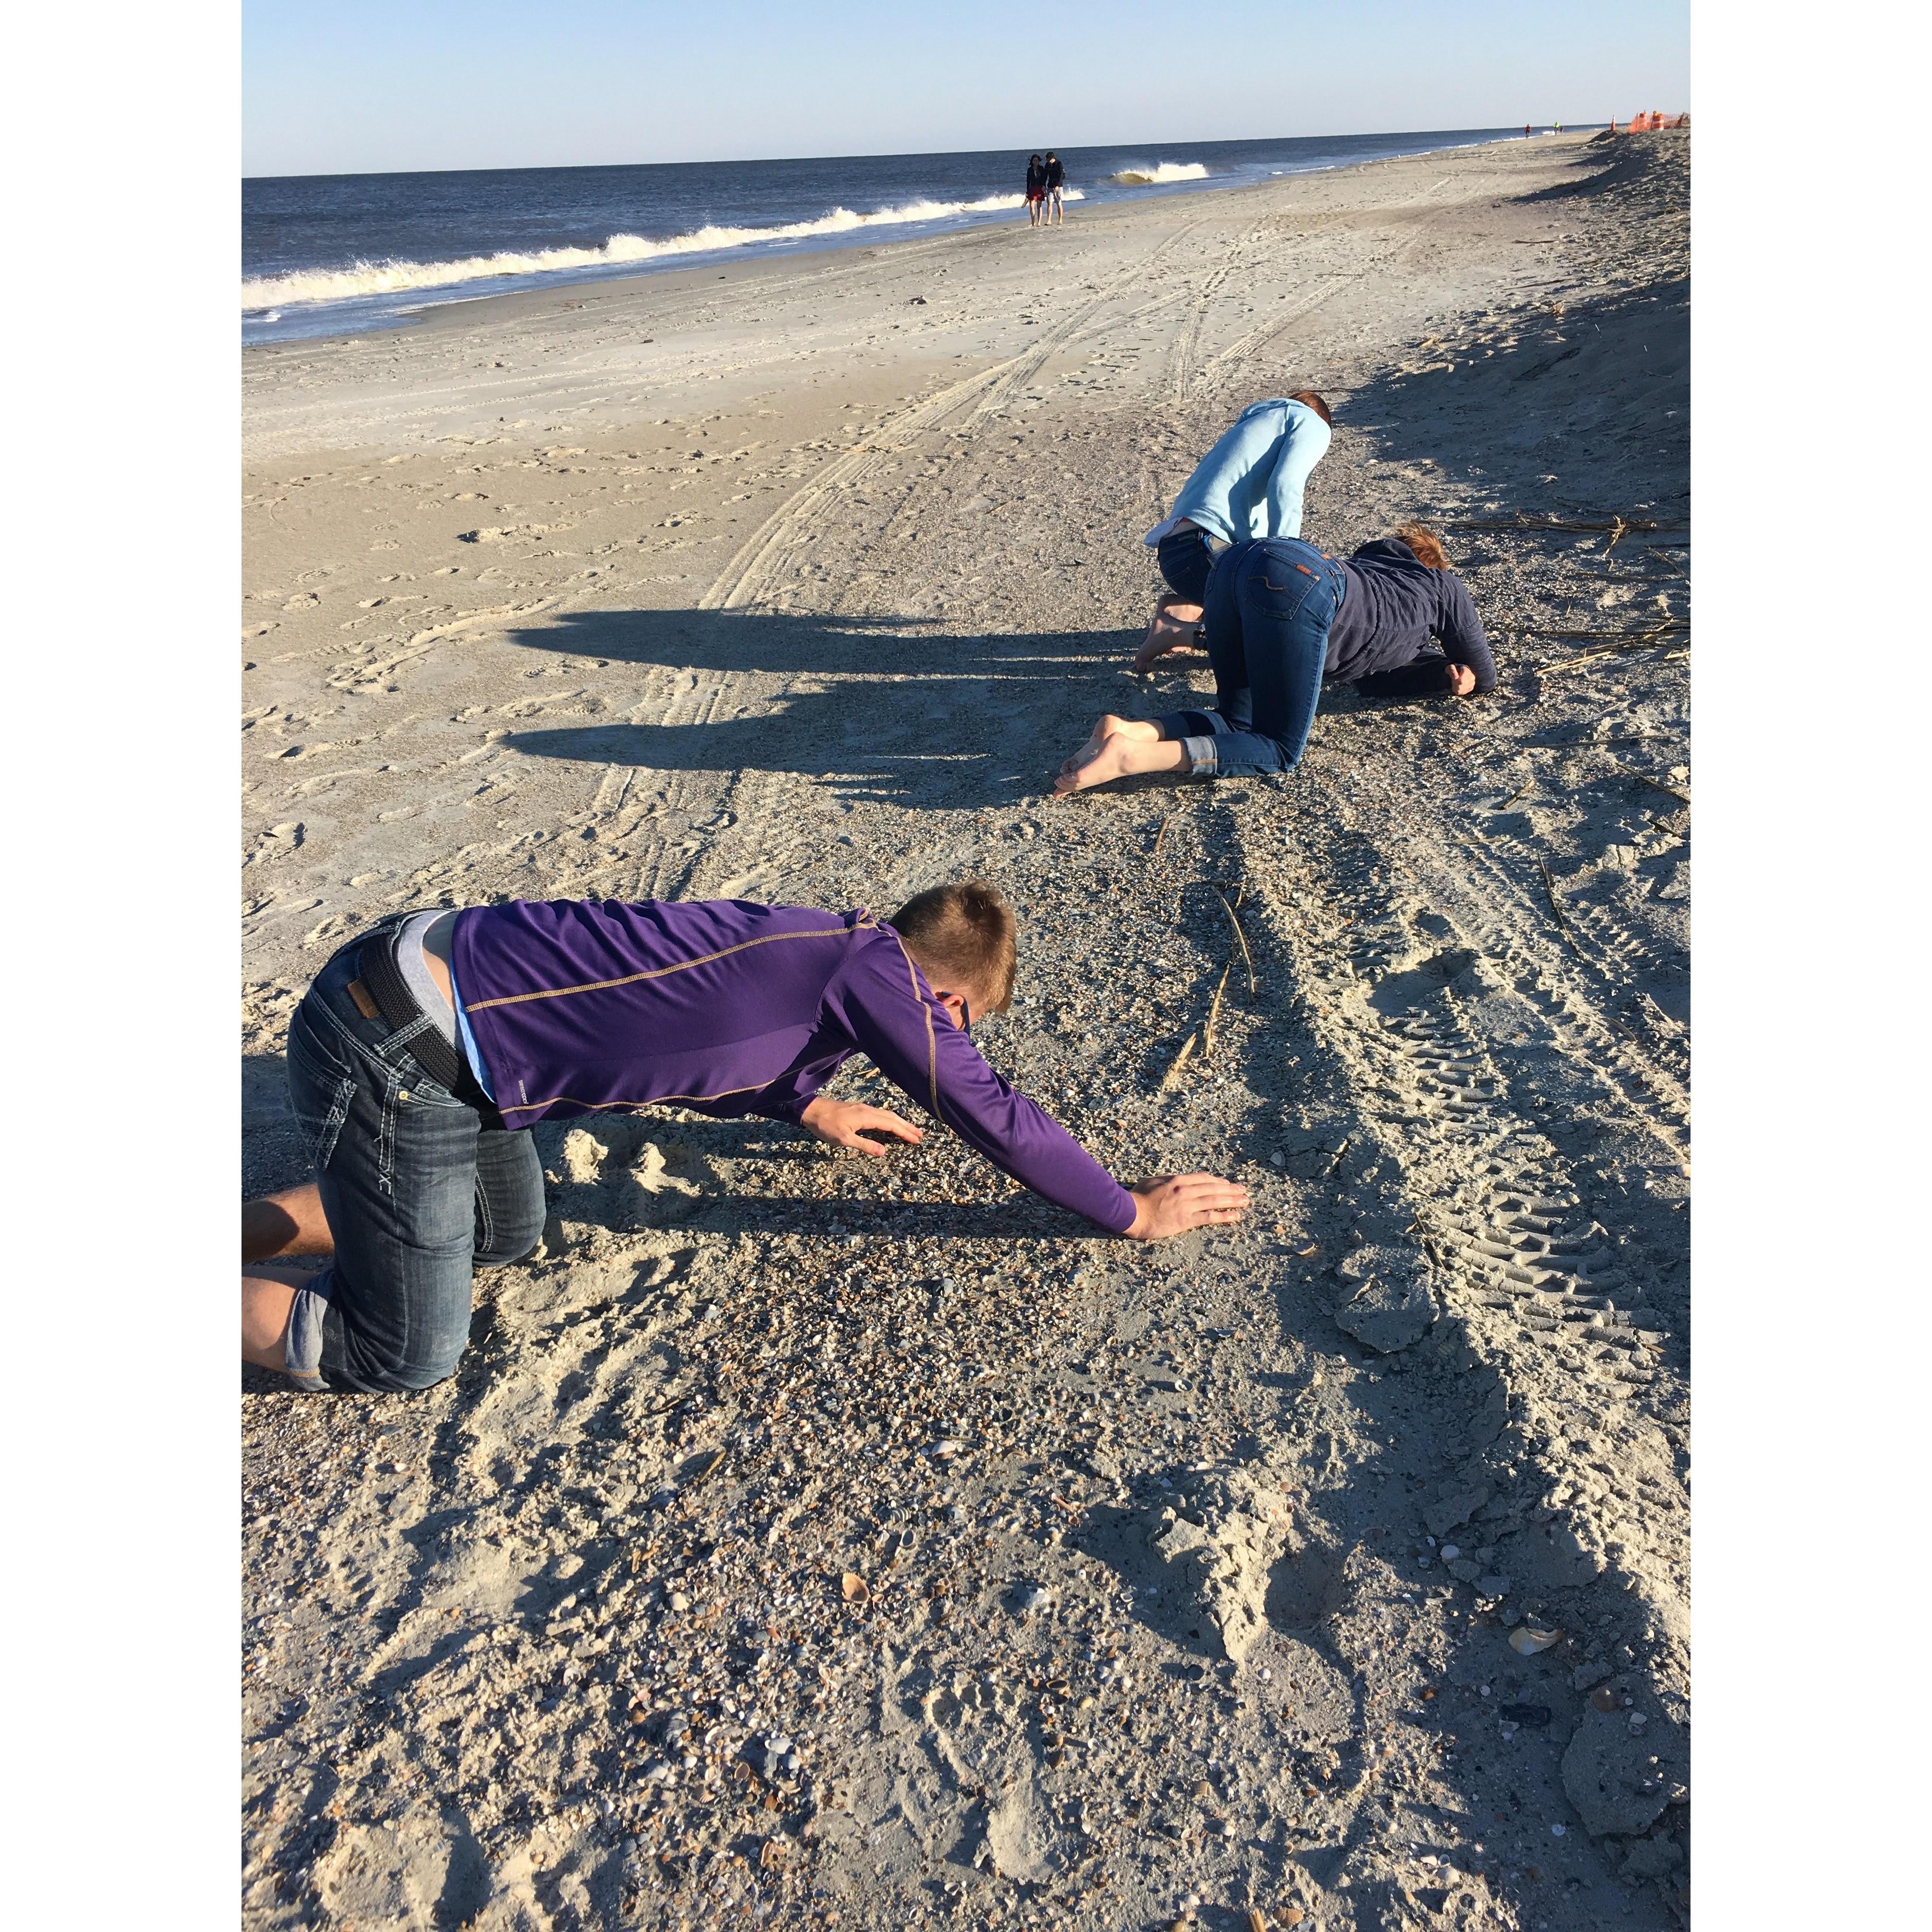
(336, 254)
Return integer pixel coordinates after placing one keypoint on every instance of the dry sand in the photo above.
(1186, 1573)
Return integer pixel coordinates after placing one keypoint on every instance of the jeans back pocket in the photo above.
(320, 1088)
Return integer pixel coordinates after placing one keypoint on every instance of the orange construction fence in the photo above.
(1652, 122)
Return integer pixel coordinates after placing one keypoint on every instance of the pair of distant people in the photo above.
(1046, 182)
(1278, 617)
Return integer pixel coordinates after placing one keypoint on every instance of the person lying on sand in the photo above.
(1281, 616)
(427, 1048)
(1249, 485)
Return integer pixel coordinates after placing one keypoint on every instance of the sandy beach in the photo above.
(810, 1541)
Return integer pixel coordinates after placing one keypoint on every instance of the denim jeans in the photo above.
(1270, 603)
(1185, 558)
(419, 1188)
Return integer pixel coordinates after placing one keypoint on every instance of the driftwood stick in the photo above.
(1214, 1011)
(1597, 657)
(1661, 630)
(1556, 905)
(1523, 520)
(1171, 1078)
(1592, 744)
(1241, 939)
(1616, 651)
(1655, 784)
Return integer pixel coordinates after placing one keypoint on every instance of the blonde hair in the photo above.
(962, 937)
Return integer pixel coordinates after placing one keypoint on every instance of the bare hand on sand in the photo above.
(1167, 1205)
(845, 1123)
(1171, 1204)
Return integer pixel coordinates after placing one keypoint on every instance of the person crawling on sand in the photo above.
(426, 1050)
(1282, 617)
(1249, 485)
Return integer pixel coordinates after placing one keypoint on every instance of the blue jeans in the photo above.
(1186, 561)
(419, 1188)
(1270, 603)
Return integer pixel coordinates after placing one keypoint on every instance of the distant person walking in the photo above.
(1056, 181)
(1035, 191)
(1525, 131)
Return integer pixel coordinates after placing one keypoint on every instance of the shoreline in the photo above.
(667, 299)
(434, 295)
(802, 599)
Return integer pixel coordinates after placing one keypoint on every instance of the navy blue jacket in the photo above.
(1380, 638)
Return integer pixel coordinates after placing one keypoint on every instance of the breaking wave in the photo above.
(1163, 171)
(390, 277)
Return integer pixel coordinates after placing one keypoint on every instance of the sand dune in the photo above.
(1218, 1571)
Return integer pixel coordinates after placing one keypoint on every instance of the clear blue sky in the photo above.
(351, 86)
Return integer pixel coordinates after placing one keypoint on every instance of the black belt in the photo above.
(381, 978)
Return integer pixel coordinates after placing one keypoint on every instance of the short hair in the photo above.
(1426, 544)
(963, 934)
(1315, 403)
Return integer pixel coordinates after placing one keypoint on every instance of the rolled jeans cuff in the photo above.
(301, 1349)
(1194, 731)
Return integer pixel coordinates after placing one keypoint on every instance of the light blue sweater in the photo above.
(1249, 484)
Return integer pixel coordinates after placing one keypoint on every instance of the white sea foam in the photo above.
(1160, 172)
(390, 277)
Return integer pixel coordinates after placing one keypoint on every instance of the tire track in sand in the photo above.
(745, 578)
(1551, 1272)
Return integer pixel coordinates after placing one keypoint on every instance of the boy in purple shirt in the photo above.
(425, 1048)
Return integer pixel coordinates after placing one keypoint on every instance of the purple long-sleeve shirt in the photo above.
(586, 1006)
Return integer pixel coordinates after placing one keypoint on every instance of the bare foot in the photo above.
(1173, 629)
(1093, 765)
(1105, 728)
(1119, 747)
